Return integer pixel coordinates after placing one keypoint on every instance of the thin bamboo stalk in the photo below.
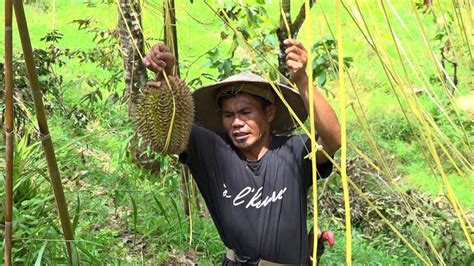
(359, 191)
(184, 188)
(43, 126)
(394, 184)
(170, 35)
(342, 104)
(368, 36)
(171, 40)
(429, 139)
(7, 258)
(195, 196)
(311, 112)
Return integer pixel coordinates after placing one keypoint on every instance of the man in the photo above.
(253, 176)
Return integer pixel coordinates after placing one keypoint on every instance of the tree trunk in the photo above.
(132, 43)
(129, 27)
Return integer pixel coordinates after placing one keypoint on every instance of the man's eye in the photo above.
(227, 115)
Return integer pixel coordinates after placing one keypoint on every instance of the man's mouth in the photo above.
(240, 136)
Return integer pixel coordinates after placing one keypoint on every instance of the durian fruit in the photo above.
(164, 115)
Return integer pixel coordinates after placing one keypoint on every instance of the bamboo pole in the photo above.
(43, 126)
(7, 258)
(171, 40)
(195, 196)
(170, 35)
(185, 188)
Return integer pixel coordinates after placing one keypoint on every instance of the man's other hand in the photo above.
(296, 58)
(159, 57)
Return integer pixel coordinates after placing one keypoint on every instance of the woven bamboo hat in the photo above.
(206, 98)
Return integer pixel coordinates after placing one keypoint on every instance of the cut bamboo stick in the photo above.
(43, 127)
(9, 134)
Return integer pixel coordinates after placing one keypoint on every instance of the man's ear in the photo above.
(270, 112)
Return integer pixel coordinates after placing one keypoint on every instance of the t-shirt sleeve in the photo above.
(198, 136)
(323, 169)
(200, 150)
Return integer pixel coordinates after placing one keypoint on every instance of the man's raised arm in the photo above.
(325, 118)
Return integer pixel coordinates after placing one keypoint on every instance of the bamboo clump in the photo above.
(44, 131)
(393, 77)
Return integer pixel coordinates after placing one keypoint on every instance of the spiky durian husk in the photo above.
(154, 115)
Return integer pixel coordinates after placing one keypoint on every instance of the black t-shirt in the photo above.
(258, 207)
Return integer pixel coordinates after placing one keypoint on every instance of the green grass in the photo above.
(365, 252)
(462, 186)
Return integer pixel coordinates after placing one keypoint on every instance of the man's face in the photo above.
(246, 124)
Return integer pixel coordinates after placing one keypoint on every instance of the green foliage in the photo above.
(253, 22)
(445, 28)
(44, 5)
(325, 62)
(225, 66)
(50, 82)
(34, 215)
(392, 127)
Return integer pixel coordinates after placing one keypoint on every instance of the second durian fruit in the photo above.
(164, 115)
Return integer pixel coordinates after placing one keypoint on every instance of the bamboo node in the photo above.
(9, 134)
(317, 148)
(45, 137)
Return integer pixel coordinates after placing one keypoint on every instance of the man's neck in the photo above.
(258, 152)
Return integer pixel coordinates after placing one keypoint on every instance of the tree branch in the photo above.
(282, 34)
(296, 25)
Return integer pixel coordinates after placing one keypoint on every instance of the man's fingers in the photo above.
(145, 61)
(157, 60)
(166, 57)
(294, 49)
(296, 53)
(294, 65)
(155, 67)
(295, 57)
(160, 48)
(293, 42)
(163, 48)
(151, 64)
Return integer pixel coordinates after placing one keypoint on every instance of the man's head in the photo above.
(208, 101)
(246, 117)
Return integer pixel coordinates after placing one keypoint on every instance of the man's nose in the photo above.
(237, 122)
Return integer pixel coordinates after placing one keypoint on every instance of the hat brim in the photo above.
(207, 112)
